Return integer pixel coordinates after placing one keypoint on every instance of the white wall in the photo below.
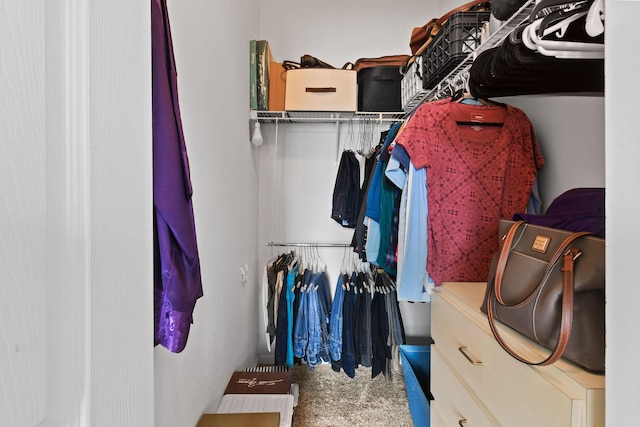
(211, 50)
(23, 355)
(570, 130)
(341, 31)
(623, 232)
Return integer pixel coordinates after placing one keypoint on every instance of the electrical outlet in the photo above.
(244, 273)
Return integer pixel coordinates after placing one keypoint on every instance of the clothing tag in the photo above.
(478, 118)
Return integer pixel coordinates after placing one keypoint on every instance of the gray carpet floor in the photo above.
(332, 399)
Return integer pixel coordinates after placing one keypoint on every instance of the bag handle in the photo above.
(569, 257)
(434, 25)
(308, 61)
(502, 261)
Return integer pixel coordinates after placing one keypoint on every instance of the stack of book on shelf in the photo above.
(267, 78)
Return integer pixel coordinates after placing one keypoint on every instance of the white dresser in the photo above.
(474, 382)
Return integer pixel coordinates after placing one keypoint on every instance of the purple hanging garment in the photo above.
(177, 281)
(577, 209)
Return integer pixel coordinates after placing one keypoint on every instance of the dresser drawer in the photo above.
(435, 420)
(514, 393)
(451, 401)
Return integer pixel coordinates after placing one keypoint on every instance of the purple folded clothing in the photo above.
(579, 209)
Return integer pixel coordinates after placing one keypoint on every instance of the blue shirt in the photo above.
(412, 280)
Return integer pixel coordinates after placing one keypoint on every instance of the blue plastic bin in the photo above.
(416, 361)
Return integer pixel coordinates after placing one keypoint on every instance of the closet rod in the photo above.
(310, 245)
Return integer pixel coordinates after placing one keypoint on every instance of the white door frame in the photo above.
(68, 239)
(79, 339)
(99, 199)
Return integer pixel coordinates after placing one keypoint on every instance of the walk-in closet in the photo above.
(76, 192)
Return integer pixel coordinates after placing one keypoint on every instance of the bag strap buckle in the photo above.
(576, 253)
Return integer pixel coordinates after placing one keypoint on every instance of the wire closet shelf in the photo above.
(445, 88)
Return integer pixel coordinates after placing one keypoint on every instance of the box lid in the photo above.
(259, 383)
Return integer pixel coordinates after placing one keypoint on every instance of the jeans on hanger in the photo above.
(396, 332)
(296, 307)
(335, 321)
(356, 315)
(301, 331)
(282, 328)
(379, 331)
(324, 300)
(313, 321)
(271, 280)
(363, 321)
(348, 348)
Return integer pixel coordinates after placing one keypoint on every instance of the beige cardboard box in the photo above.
(321, 89)
(249, 419)
(246, 403)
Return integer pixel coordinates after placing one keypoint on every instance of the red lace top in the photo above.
(475, 176)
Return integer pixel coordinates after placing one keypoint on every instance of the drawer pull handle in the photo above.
(462, 422)
(463, 350)
(320, 89)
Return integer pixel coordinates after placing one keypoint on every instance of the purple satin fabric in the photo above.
(177, 280)
(578, 209)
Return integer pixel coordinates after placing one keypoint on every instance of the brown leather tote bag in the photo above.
(549, 285)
